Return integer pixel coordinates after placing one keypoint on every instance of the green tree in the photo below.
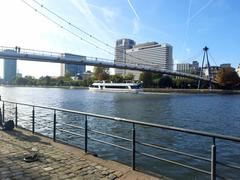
(165, 81)
(147, 78)
(227, 78)
(129, 77)
(117, 78)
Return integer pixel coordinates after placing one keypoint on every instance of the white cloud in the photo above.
(133, 9)
(136, 26)
(191, 17)
(21, 26)
(102, 30)
(188, 50)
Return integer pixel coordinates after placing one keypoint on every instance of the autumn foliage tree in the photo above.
(101, 73)
(227, 78)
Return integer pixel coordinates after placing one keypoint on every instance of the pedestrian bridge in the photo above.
(66, 58)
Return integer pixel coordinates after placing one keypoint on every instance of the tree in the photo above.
(129, 77)
(101, 73)
(227, 78)
(165, 81)
(147, 79)
(117, 78)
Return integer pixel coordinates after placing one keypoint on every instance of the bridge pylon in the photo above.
(205, 56)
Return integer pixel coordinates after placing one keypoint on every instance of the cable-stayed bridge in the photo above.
(66, 58)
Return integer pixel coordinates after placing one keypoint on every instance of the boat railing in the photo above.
(16, 110)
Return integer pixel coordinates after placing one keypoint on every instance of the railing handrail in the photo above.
(173, 128)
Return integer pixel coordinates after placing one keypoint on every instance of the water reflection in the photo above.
(214, 113)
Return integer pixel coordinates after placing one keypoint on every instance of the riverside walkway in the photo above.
(56, 161)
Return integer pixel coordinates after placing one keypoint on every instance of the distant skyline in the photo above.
(187, 25)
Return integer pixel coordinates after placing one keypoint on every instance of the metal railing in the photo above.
(133, 140)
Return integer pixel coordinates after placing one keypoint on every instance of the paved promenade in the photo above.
(56, 161)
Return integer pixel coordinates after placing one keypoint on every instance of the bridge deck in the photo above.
(54, 57)
(56, 161)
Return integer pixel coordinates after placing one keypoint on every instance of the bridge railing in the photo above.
(30, 51)
(57, 126)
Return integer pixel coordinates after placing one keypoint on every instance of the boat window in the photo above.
(117, 87)
(136, 86)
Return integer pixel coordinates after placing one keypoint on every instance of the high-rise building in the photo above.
(150, 54)
(73, 69)
(195, 65)
(120, 52)
(10, 69)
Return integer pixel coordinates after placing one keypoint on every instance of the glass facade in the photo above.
(10, 70)
(74, 70)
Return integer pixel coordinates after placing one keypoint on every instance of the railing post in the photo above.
(33, 120)
(16, 115)
(54, 125)
(86, 134)
(133, 146)
(213, 160)
(3, 113)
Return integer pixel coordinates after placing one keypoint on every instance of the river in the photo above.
(218, 113)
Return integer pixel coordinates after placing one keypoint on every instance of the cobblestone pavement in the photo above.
(56, 161)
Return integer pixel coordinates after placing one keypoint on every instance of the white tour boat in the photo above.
(116, 87)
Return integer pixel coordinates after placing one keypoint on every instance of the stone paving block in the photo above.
(54, 163)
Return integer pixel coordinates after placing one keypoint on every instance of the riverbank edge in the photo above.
(61, 87)
(153, 90)
(197, 91)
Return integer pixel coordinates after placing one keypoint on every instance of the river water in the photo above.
(215, 113)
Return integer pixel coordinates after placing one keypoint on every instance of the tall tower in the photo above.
(120, 52)
(205, 55)
(10, 69)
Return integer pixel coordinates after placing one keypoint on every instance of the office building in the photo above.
(184, 67)
(195, 65)
(188, 68)
(225, 65)
(10, 69)
(73, 69)
(150, 54)
(120, 52)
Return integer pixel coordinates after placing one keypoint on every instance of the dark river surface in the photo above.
(216, 113)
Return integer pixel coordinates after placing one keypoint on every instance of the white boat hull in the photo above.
(115, 90)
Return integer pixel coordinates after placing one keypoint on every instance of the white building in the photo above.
(150, 54)
(188, 68)
(238, 70)
(120, 52)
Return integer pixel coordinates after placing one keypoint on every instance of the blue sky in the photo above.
(188, 25)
